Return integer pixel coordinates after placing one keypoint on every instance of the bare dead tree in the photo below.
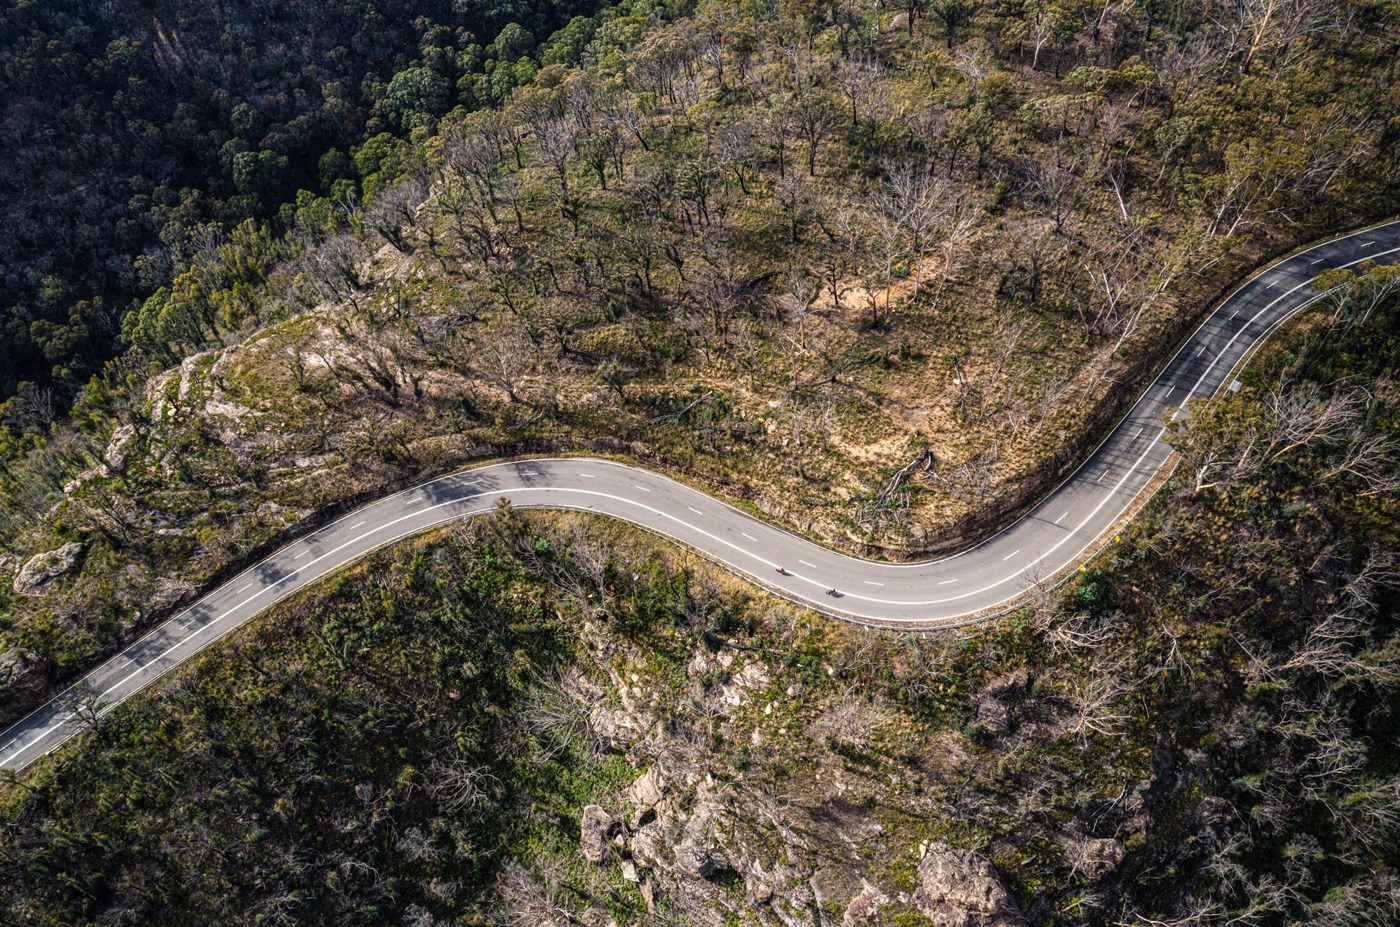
(458, 783)
(1256, 27)
(83, 703)
(534, 897)
(506, 360)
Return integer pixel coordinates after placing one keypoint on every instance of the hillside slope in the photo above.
(552, 720)
(880, 283)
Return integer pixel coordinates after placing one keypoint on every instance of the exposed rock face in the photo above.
(698, 852)
(750, 678)
(645, 792)
(615, 726)
(864, 907)
(958, 888)
(92, 473)
(22, 673)
(42, 569)
(168, 592)
(994, 703)
(117, 448)
(596, 829)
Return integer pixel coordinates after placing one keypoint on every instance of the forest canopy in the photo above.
(178, 120)
(878, 274)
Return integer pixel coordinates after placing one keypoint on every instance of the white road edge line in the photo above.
(22, 745)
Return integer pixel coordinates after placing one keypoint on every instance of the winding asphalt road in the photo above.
(1049, 539)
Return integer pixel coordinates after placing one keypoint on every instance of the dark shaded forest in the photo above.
(137, 133)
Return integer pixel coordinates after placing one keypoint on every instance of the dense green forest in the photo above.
(1199, 730)
(137, 134)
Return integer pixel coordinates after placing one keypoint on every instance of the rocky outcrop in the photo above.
(995, 702)
(596, 829)
(616, 727)
(864, 907)
(22, 674)
(645, 793)
(41, 570)
(92, 473)
(680, 854)
(698, 852)
(169, 592)
(24, 681)
(752, 677)
(118, 447)
(958, 888)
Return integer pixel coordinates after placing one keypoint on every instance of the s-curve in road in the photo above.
(1049, 539)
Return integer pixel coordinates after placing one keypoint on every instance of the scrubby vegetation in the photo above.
(1200, 730)
(876, 273)
(137, 135)
(879, 279)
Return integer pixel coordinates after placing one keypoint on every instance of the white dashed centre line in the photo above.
(24, 742)
(944, 582)
(588, 476)
(1272, 285)
(241, 588)
(302, 554)
(749, 536)
(1010, 555)
(1138, 433)
(642, 488)
(695, 510)
(805, 563)
(1062, 518)
(872, 583)
(1318, 261)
